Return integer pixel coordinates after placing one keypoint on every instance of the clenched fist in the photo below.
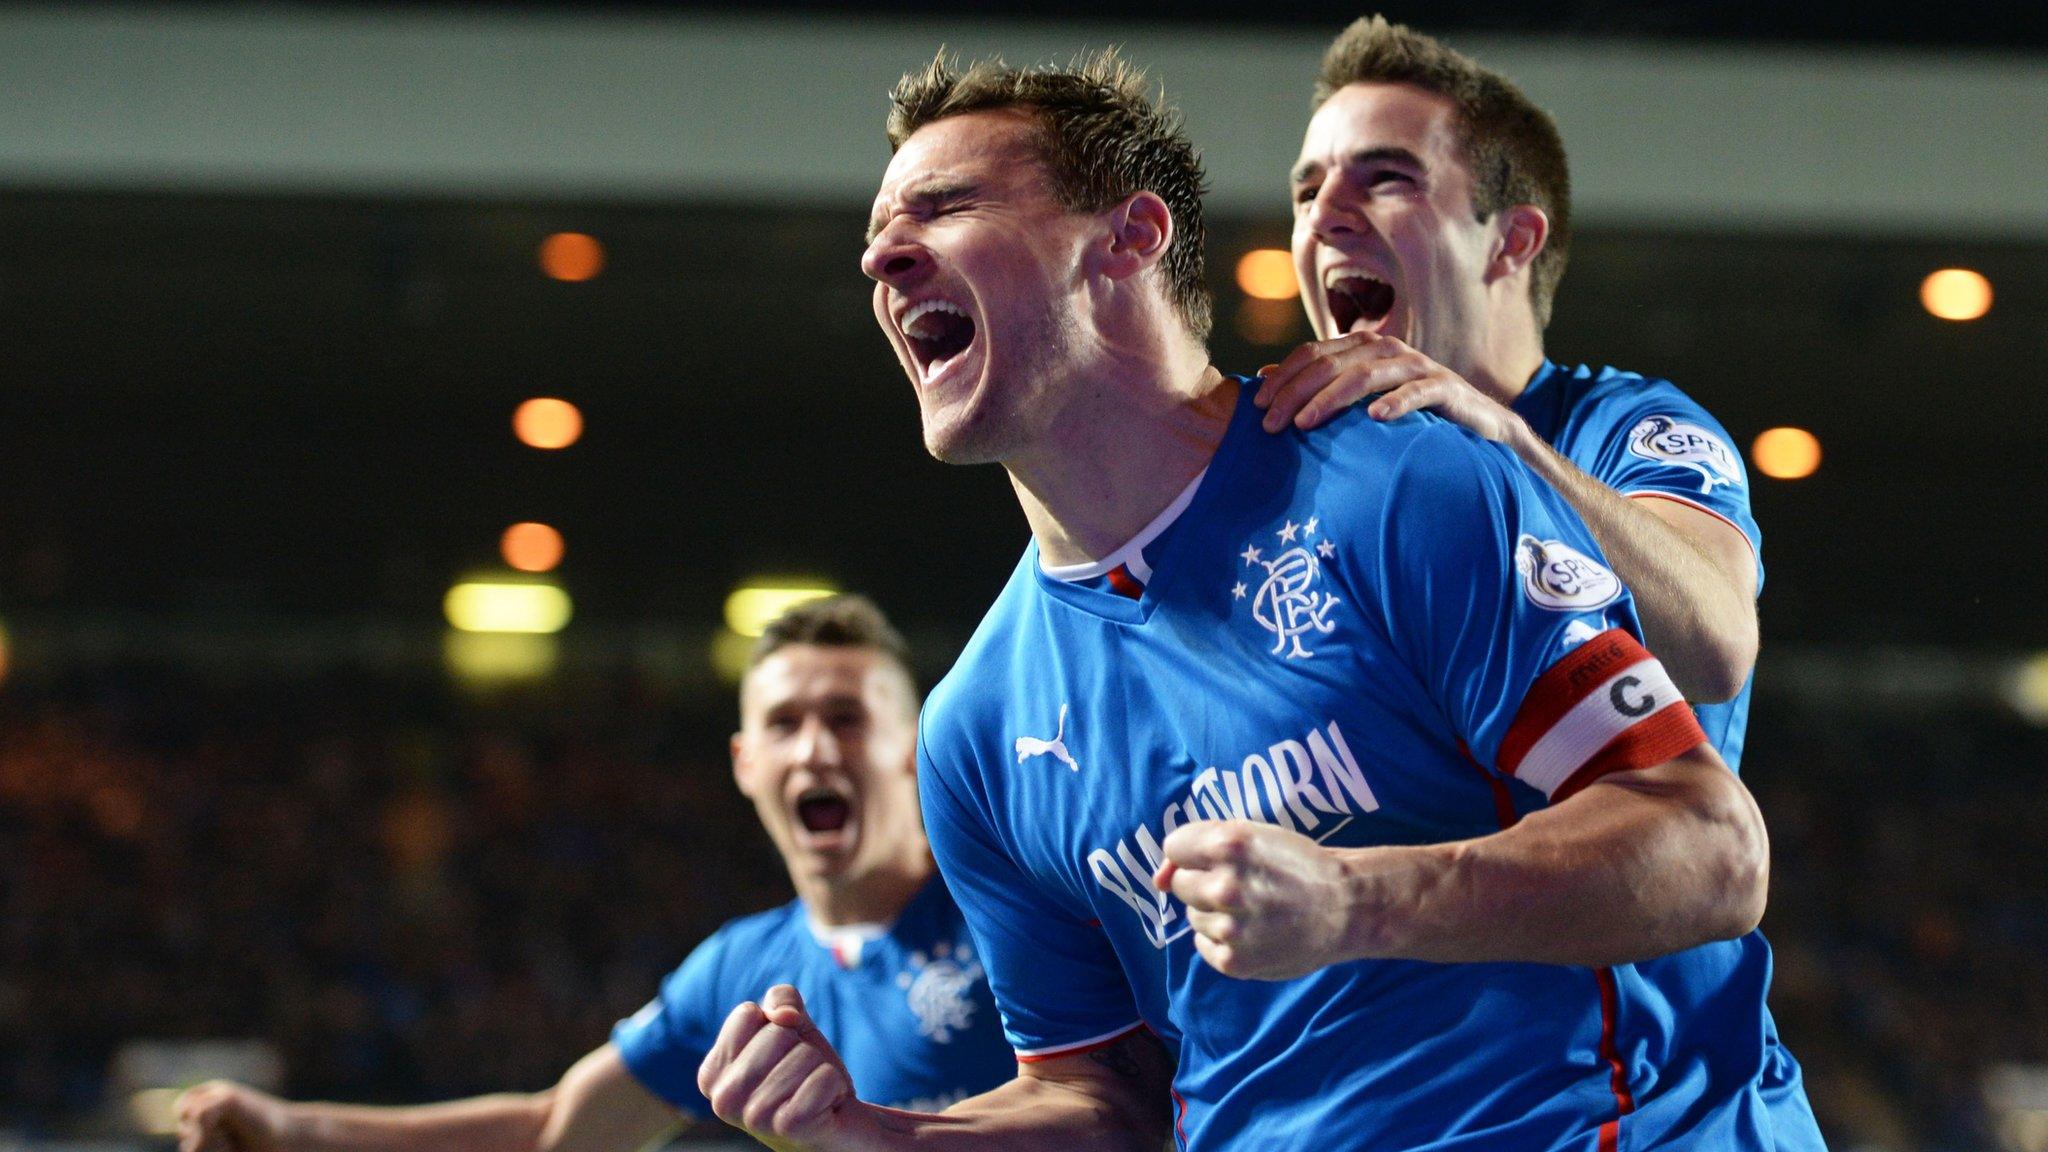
(1265, 903)
(219, 1116)
(772, 1073)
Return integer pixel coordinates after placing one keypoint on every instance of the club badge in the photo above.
(1287, 601)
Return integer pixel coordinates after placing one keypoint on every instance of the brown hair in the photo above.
(1511, 146)
(1101, 139)
(843, 621)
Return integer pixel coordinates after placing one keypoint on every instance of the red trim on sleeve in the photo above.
(1562, 686)
(1675, 498)
(1652, 740)
(1078, 1049)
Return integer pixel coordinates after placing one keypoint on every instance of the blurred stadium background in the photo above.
(275, 278)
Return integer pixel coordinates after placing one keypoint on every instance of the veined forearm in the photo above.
(1639, 864)
(1114, 1098)
(1026, 1116)
(1698, 618)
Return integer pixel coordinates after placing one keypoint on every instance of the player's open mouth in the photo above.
(938, 331)
(823, 810)
(1356, 298)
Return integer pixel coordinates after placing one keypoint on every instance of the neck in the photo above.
(1506, 359)
(1121, 453)
(877, 896)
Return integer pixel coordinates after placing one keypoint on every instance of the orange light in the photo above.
(572, 257)
(1786, 453)
(1271, 323)
(1956, 294)
(531, 547)
(1267, 274)
(545, 422)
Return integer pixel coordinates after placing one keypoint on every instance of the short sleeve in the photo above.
(1665, 446)
(665, 1042)
(1498, 596)
(1055, 977)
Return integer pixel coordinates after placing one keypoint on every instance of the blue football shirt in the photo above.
(1644, 438)
(1371, 634)
(907, 1007)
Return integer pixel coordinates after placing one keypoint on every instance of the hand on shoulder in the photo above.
(1322, 378)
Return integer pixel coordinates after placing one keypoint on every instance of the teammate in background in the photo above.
(1431, 286)
(1432, 220)
(825, 750)
(1218, 780)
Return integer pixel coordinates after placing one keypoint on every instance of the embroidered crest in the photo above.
(1287, 602)
(940, 990)
(1670, 441)
(1559, 577)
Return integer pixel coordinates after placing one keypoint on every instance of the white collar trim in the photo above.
(1132, 553)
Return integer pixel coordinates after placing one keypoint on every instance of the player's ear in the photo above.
(1519, 236)
(1140, 231)
(738, 747)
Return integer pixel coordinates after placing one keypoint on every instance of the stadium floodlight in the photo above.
(547, 423)
(1956, 294)
(1267, 274)
(756, 604)
(2027, 689)
(486, 659)
(507, 606)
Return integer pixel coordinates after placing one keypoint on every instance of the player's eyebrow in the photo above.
(928, 193)
(1359, 159)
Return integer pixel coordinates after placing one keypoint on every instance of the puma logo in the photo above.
(1029, 746)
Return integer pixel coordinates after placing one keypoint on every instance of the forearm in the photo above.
(1698, 617)
(499, 1123)
(1030, 1115)
(1639, 864)
(1115, 1097)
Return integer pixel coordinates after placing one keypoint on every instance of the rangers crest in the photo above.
(1286, 602)
(1557, 576)
(1670, 441)
(941, 992)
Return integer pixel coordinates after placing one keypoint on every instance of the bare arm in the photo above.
(774, 1075)
(1693, 574)
(597, 1106)
(1638, 864)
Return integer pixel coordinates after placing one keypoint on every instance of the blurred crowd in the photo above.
(412, 894)
(417, 894)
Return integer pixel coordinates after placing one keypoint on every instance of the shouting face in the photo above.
(978, 282)
(826, 751)
(1385, 235)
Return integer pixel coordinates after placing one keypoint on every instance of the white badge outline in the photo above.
(1709, 464)
(1529, 550)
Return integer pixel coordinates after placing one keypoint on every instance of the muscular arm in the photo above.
(774, 1075)
(596, 1107)
(1692, 573)
(1638, 864)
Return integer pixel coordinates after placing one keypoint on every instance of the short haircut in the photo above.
(1101, 139)
(1511, 146)
(843, 621)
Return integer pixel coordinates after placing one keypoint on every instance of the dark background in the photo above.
(249, 441)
